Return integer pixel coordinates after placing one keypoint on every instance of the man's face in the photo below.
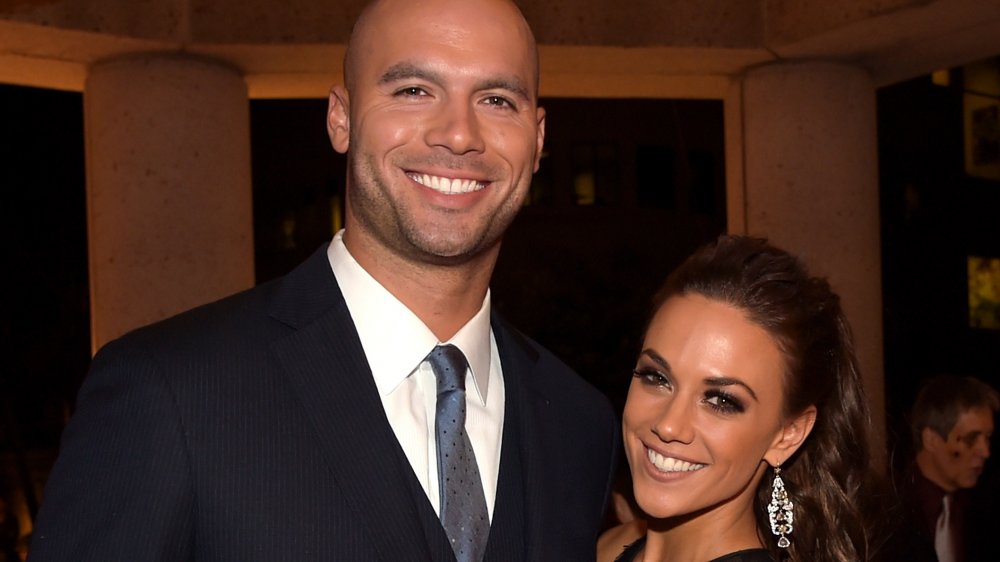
(441, 125)
(957, 462)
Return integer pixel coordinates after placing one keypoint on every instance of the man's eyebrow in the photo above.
(407, 71)
(730, 381)
(509, 83)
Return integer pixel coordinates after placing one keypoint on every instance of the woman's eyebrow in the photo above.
(731, 381)
(657, 358)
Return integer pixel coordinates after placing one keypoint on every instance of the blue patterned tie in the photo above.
(463, 504)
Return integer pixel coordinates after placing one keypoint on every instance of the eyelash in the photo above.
(726, 402)
(494, 100)
(719, 400)
(651, 377)
(503, 102)
(411, 91)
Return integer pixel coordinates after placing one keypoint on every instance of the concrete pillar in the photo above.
(168, 188)
(811, 186)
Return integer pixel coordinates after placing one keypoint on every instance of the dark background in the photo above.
(933, 217)
(575, 274)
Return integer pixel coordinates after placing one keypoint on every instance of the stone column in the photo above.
(811, 186)
(168, 188)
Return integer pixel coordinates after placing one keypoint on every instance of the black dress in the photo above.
(750, 555)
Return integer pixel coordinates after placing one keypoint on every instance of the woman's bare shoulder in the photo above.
(613, 541)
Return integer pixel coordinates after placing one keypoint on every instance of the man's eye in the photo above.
(970, 439)
(498, 101)
(413, 91)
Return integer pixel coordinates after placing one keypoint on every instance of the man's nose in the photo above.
(456, 127)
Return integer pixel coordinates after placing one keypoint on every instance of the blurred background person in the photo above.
(943, 518)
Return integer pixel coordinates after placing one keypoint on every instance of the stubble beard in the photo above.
(396, 227)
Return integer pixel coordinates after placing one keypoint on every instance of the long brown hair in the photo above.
(828, 479)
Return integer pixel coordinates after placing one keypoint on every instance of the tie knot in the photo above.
(448, 363)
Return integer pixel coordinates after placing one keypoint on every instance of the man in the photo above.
(300, 420)
(951, 422)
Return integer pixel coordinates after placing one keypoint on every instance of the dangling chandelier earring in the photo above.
(779, 511)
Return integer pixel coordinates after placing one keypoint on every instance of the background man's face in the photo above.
(959, 459)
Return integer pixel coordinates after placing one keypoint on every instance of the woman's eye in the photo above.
(651, 377)
(724, 402)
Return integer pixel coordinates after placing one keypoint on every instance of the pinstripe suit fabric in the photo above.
(251, 429)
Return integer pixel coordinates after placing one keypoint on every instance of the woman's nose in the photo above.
(674, 423)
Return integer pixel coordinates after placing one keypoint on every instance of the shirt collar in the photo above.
(395, 340)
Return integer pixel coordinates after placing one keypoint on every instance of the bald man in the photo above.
(369, 405)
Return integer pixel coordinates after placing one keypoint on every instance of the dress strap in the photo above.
(632, 550)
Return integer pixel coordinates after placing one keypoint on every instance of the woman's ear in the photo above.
(338, 119)
(791, 436)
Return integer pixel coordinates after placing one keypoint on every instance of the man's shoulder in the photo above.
(237, 312)
(213, 338)
(246, 317)
(552, 377)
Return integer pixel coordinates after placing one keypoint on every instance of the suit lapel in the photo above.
(522, 508)
(326, 367)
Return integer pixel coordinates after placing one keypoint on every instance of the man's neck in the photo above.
(929, 470)
(445, 298)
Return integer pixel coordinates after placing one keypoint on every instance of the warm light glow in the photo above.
(984, 292)
(336, 214)
(585, 188)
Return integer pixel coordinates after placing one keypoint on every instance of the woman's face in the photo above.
(704, 409)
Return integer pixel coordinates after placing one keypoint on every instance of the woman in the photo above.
(746, 426)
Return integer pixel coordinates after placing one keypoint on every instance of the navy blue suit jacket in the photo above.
(251, 429)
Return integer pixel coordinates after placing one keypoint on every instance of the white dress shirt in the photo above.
(396, 343)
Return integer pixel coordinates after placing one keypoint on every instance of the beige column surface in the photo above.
(168, 188)
(811, 186)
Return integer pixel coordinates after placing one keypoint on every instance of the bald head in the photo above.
(459, 19)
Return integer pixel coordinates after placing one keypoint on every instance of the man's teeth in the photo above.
(447, 185)
(669, 464)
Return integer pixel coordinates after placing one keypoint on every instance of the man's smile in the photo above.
(447, 186)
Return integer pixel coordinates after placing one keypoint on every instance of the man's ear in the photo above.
(791, 436)
(338, 119)
(930, 440)
(540, 140)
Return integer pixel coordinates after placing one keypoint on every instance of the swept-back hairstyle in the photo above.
(828, 479)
